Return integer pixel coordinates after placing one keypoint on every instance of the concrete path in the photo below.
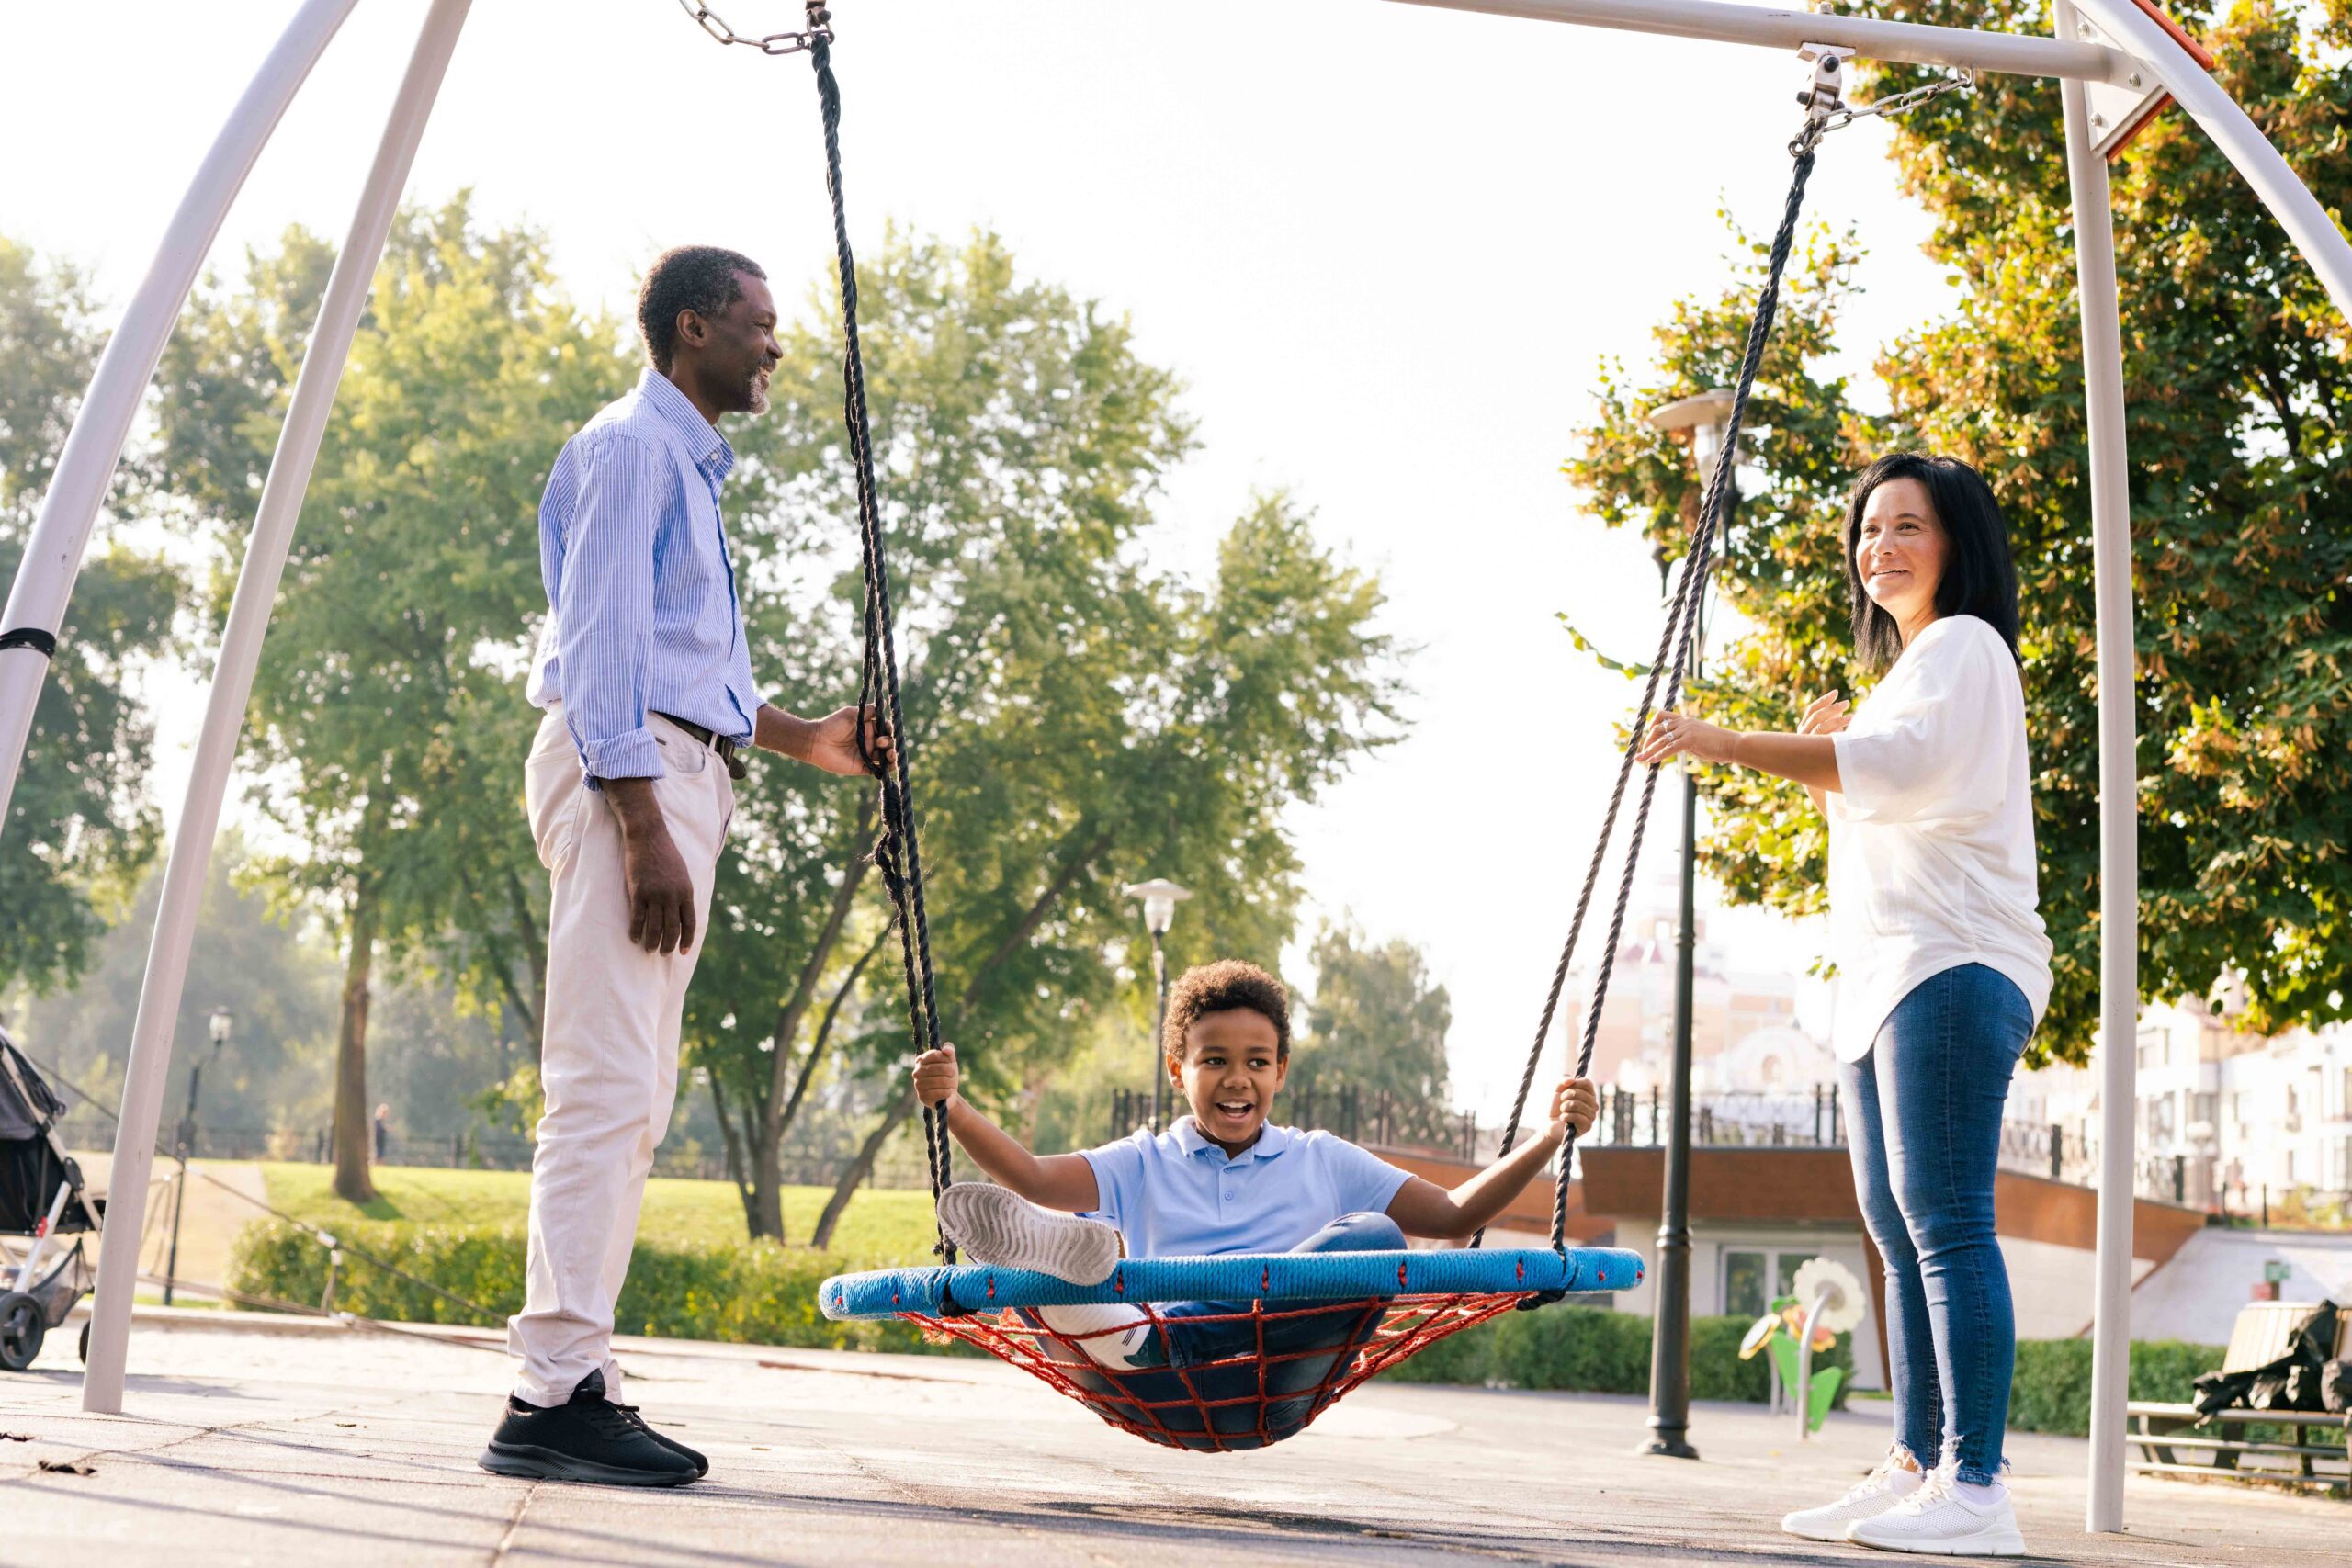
(320, 1445)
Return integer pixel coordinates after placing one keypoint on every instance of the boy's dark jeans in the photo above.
(1319, 1340)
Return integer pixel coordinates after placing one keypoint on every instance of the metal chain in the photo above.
(711, 22)
(1964, 81)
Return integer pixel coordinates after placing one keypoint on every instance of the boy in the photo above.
(1223, 1180)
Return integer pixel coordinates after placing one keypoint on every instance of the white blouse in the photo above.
(1931, 860)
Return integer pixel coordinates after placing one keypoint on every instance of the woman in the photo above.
(1944, 970)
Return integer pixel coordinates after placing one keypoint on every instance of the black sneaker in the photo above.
(588, 1438)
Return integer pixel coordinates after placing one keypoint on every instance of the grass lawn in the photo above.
(881, 1228)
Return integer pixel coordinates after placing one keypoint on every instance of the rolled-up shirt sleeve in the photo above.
(604, 608)
(1934, 745)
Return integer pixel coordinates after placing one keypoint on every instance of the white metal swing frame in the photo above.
(2110, 47)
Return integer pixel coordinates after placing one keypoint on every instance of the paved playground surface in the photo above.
(252, 1444)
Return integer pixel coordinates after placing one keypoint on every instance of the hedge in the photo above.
(1597, 1351)
(746, 1292)
(2053, 1390)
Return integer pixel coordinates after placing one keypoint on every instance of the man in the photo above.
(647, 685)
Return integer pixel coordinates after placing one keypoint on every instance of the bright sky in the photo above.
(1386, 247)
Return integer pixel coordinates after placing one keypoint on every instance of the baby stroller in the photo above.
(41, 1200)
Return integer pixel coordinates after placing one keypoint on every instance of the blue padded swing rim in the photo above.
(1284, 1276)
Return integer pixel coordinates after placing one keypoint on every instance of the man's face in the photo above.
(738, 349)
(1231, 1069)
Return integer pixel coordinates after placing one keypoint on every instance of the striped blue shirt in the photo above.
(642, 613)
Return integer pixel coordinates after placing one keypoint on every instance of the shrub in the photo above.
(1597, 1351)
(2053, 1390)
(744, 1292)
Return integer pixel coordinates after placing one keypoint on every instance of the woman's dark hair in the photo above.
(1979, 577)
(1223, 987)
(705, 280)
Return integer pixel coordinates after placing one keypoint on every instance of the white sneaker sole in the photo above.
(997, 1226)
(1828, 1532)
(2005, 1542)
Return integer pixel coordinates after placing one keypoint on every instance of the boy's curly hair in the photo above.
(1222, 986)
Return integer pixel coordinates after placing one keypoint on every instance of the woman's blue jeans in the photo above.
(1923, 1120)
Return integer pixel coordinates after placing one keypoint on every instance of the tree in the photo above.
(386, 696)
(1376, 1026)
(80, 829)
(272, 970)
(2239, 393)
(1073, 713)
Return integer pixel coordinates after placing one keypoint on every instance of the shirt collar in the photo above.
(711, 452)
(1186, 1131)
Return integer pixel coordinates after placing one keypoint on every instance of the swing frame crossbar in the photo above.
(2101, 42)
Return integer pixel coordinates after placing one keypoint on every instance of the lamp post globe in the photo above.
(1159, 897)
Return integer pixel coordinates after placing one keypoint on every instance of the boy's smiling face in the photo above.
(1233, 1066)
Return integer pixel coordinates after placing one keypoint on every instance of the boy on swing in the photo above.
(1223, 1180)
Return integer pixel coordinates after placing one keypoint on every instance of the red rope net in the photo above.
(1242, 1401)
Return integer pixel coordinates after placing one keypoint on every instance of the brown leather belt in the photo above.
(728, 749)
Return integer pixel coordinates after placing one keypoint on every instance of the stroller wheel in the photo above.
(21, 1330)
(85, 1347)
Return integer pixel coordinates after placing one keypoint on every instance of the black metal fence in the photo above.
(1381, 1119)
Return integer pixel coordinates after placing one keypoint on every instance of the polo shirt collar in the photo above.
(709, 449)
(1271, 1140)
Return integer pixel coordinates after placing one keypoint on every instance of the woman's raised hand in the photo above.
(1672, 735)
(1826, 715)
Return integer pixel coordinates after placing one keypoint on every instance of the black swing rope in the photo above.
(898, 853)
(1680, 638)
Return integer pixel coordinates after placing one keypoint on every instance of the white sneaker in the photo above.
(1940, 1519)
(1880, 1490)
(1116, 1335)
(1000, 1227)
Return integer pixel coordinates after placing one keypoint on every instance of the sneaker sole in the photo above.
(529, 1463)
(2011, 1544)
(994, 1224)
(1819, 1532)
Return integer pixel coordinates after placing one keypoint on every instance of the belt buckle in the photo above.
(731, 753)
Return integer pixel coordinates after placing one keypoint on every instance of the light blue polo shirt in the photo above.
(1178, 1196)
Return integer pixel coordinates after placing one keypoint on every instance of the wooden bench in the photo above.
(2172, 1440)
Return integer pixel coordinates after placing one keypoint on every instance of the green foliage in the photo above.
(274, 975)
(387, 690)
(1597, 1351)
(1076, 716)
(1376, 1025)
(2052, 1390)
(2239, 387)
(740, 1292)
(80, 829)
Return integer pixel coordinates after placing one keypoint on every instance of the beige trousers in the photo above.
(609, 1059)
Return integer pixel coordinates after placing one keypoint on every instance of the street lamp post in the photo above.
(219, 1026)
(1705, 416)
(1159, 897)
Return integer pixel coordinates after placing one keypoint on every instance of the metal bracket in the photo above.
(2118, 110)
(1825, 93)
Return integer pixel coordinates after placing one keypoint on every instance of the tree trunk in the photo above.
(352, 1125)
(734, 1145)
(765, 1208)
(861, 1167)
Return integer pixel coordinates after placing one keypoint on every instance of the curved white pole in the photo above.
(2315, 233)
(233, 678)
(93, 446)
(2119, 796)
